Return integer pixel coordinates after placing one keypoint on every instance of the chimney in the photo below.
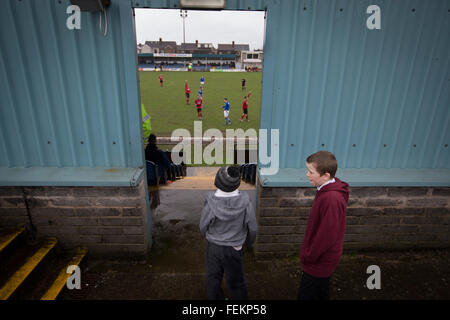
(160, 39)
(232, 44)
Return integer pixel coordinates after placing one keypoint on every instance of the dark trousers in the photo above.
(220, 259)
(312, 288)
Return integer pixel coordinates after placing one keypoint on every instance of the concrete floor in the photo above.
(181, 202)
(175, 268)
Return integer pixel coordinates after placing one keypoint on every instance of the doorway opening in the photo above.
(191, 64)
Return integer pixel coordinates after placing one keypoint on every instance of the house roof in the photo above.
(231, 47)
(187, 46)
(196, 46)
(161, 44)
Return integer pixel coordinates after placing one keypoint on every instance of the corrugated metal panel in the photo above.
(230, 4)
(69, 98)
(376, 98)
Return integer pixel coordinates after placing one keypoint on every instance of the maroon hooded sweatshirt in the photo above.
(322, 246)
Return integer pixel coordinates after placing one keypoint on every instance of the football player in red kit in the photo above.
(245, 107)
(199, 106)
(187, 91)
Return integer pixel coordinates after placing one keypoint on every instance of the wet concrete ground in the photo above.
(175, 271)
(175, 268)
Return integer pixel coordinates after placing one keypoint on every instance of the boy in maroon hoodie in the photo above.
(322, 246)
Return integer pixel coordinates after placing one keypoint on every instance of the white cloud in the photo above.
(242, 27)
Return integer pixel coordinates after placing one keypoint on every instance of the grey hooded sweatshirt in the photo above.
(228, 221)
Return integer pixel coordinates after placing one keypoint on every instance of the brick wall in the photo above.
(377, 218)
(106, 220)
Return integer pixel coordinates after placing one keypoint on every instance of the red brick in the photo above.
(101, 230)
(91, 192)
(441, 192)
(400, 229)
(350, 220)
(98, 212)
(355, 202)
(53, 212)
(13, 202)
(287, 238)
(296, 202)
(422, 220)
(276, 255)
(7, 212)
(358, 229)
(279, 192)
(11, 191)
(407, 192)
(123, 239)
(268, 202)
(404, 211)
(363, 211)
(261, 247)
(367, 192)
(283, 212)
(437, 211)
(281, 221)
(383, 202)
(375, 220)
(119, 221)
(133, 230)
(428, 202)
(130, 192)
(263, 230)
(132, 212)
(432, 228)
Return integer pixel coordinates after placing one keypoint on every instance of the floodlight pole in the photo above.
(183, 15)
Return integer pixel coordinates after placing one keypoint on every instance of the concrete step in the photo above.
(16, 280)
(199, 178)
(33, 269)
(10, 240)
(60, 282)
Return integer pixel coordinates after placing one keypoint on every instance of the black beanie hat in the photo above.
(152, 139)
(228, 179)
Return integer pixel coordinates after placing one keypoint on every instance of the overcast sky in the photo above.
(242, 27)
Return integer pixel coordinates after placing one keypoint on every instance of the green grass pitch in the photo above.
(169, 111)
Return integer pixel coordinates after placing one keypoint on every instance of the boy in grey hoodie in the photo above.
(228, 221)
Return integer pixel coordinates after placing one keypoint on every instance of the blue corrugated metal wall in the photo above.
(69, 98)
(376, 98)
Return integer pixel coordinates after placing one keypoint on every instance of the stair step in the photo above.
(7, 238)
(25, 270)
(58, 285)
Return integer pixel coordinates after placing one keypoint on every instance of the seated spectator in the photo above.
(152, 153)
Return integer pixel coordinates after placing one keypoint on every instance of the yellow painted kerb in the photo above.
(6, 239)
(17, 278)
(60, 282)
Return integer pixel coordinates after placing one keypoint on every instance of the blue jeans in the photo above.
(220, 259)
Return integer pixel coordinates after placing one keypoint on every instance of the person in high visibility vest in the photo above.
(146, 126)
